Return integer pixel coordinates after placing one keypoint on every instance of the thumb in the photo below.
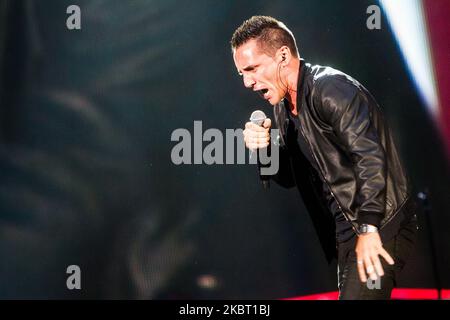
(267, 123)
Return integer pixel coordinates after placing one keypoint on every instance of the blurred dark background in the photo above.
(86, 176)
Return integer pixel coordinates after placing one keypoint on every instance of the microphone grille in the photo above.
(257, 117)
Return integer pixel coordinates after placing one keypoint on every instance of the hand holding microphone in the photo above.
(256, 137)
(257, 131)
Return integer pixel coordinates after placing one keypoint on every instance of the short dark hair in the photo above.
(270, 34)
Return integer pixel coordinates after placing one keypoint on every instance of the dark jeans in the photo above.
(351, 287)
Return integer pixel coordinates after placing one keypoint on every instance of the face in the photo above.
(259, 71)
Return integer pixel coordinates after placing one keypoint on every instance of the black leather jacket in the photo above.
(353, 150)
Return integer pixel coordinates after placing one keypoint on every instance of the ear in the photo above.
(284, 55)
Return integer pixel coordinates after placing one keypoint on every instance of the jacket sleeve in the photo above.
(349, 109)
(284, 177)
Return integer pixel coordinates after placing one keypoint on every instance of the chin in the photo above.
(274, 101)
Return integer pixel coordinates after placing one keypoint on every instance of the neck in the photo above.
(292, 84)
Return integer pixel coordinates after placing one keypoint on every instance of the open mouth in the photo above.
(263, 93)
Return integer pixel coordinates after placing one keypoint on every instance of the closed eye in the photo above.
(249, 68)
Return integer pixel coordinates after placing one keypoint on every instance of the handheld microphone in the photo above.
(257, 117)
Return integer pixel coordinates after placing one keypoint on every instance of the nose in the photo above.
(249, 82)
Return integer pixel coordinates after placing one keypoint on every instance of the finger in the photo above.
(370, 268)
(249, 132)
(377, 264)
(251, 126)
(254, 127)
(259, 134)
(361, 271)
(262, 140)
(386, 256)
(252, 145)
(267, 123)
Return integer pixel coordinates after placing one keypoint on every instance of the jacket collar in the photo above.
(280, 110)
(301, 83)
(303, 69)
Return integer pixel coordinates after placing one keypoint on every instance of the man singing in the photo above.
(337, 149)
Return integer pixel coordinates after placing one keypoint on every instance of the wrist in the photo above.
(365, 228)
